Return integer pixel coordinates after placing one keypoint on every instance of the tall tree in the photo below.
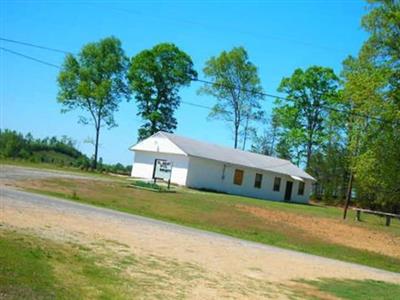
(266, 141)
(156, 75)
(237, 88)
(248, 130)
(283, 149)
(303, 118)
(329, 164)
(94, 81)
(372, 88)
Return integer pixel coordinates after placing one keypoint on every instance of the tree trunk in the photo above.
(348, 196)
(96, 148)
(236, 136)
(309, 152)
(271, 149)
(153, 127)
(246, 128)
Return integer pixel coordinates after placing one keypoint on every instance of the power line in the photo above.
(59, 67)
(212, 83)
(290, 100)
(30, 58)
(196, 105)
(34, 45)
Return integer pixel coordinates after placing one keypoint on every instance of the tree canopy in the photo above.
(303, 118)
(237, 88)
(156, 76)
(94, 81)
(372, 87)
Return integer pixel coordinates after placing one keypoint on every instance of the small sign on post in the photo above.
(162, 170)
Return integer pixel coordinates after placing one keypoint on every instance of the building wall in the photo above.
(208, 174)
(143, 165)
(158, 143)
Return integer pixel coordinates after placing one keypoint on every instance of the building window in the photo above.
(257, 181)
(238, 178)
(277, 184)
(301, 188)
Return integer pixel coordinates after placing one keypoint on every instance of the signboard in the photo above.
(162, 169)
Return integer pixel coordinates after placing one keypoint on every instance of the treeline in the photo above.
(345, 129)
(59, 151)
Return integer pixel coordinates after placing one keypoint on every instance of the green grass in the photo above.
(219, 213)
(357, 289)
(150, 186)
(37, 268)
(24, 271)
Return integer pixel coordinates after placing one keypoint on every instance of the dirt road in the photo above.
(233, 260)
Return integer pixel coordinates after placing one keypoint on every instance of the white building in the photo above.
(208, 166)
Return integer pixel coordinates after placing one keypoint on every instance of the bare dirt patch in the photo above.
(331, 230)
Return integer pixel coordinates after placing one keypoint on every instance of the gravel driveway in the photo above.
(213, 252)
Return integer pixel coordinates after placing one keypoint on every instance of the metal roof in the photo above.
(235, 156)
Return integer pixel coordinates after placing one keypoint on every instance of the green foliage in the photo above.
(372, 87)
(283, 149)
(304, 118)
(156, 75)
(330, 167)
(237, 88)
(12, 144)
(383, 45)
(150, 185)
(117, 168)
(310, 134)
(57, 151)
(265, 143)
(330, 164)
(94, 81)
(48, 150)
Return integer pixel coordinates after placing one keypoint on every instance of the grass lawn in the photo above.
(37, 268)
(221, 213)
(356, 289)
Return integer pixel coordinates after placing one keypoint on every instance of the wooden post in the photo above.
(388, 220)
(169, 182)
(348, 196)
(358, 217)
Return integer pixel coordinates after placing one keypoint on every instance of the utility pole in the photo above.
(351, 177)
(348, 195)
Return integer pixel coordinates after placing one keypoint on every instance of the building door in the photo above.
(288, 191)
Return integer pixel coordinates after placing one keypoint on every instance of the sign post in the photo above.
(162, 170)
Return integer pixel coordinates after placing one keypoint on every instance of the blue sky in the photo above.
(278, 35)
